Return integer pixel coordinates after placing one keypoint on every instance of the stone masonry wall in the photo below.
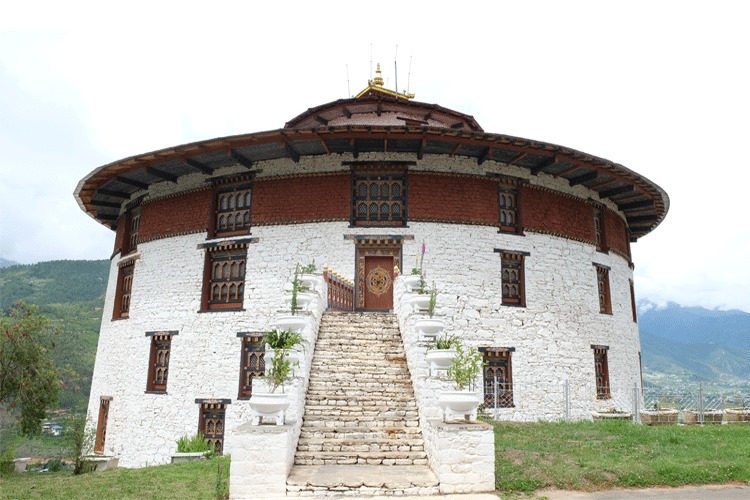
(552, 335)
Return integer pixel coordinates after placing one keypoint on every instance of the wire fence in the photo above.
(503, 400)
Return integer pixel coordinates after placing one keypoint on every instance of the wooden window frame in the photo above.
(511, 262)
(509, 188)
(379, 175)
(101, 424)
(124, 290)
(158, 363)
(600, 232)
(234, 184)
(211, 412)
(493, 358)
(232, 253)
(601, 371)
(252, 345)
(132, 228)
(603, 291)
(632, 302)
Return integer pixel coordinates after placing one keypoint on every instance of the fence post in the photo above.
(636, 404)
(567, 399)
(494, 416)
(701, 418)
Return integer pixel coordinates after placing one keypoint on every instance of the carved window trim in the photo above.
(252, 361)
(601, 371)
(232, 197)
(497, 361)
(509, 204)
(600, 233)
(124, 289)
(101, 424)
(602, 285)
(212, 421)
(158, 363)
(379, 196)
(224, 277)
(513, 277)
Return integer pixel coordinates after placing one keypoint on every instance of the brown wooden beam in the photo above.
(131, 182)
(535, 170)
(580, 179)
(106, 204)
(455, 149)
(642, 218)
(422, 146)
(518, 157)
(325, 147)
(615, 191)
(457, 125)
(568, 171)
(198, 166)
(636, 204)
(483, 157)
(321, 120)
(116, 194)
(346, 112)
(240, 158)
(161, 174)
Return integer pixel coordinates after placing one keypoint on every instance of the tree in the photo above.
(29, 384)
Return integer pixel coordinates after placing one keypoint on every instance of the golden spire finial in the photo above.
(378, 81)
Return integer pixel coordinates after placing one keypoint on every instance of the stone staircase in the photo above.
(360, 434)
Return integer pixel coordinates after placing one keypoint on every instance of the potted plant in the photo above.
(659, 416)
(271, 404)
(416, 278)
(307, 277)
(191, 448)
(421, 301)
(430, 328)
(610, 414)
(282, 341)
(464, 370)
(440, 354)
(298, 299)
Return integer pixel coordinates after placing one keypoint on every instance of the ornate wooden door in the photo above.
(378, 289)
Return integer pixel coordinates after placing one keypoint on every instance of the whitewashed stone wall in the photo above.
(552, 334)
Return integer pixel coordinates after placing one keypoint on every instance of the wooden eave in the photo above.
(105, 189)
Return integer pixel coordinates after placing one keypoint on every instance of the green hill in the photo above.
(70, 293)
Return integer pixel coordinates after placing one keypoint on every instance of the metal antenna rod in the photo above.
(348, 89)
(370, 61)
(395, 67)
(408, 76)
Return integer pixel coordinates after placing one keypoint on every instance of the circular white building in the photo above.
(527, 243)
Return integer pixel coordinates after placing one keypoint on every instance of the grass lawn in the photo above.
(603, 455)
(191, 480)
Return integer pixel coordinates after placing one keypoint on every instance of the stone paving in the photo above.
(360, 434)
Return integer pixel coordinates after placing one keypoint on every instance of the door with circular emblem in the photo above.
(378, 282)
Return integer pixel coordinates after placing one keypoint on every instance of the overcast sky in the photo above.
(660, 87)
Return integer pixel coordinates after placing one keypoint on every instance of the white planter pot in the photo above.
(311, 281)
(411, 281)
(291, 322)
(459, 405)
(420, 302)
(303, 300)
(429, 328)
(267, 405)
(439, 359)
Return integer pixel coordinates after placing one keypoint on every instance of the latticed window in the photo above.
(225, 288)
(211, 423)
(379, 197)
(602, 282)
(124, 289)
(508, 208)
(512, 270)
(498, 377)
(135, 225)
(601, 370)
(161, 343)
(252, 363)
(599, 233)
(101, 426)
(233, 210)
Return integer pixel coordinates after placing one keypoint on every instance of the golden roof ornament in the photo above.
(377, 84)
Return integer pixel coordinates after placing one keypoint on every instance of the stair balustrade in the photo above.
(340, 290)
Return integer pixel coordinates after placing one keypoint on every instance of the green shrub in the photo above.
(193, 444)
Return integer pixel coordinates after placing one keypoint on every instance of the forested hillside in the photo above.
(71, 294)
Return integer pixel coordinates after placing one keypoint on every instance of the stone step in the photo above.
(365, 480)
(363, 445)
(361, 433)
(329, 412)
(360, 457)
(330, 398)
(343, 421)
